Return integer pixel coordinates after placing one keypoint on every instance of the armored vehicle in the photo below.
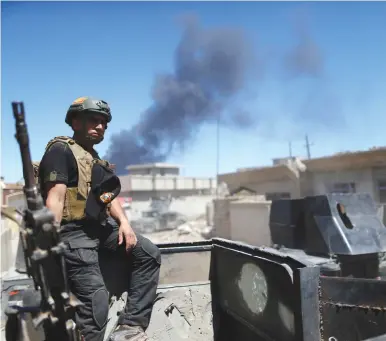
(319, 283)
(340, 233)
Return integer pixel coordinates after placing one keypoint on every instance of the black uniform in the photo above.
(84, 240)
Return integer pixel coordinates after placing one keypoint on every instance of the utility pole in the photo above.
(290, 149)
(308, 145)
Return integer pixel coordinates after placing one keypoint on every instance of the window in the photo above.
(277, 196)
(342, 187)
(382, 191)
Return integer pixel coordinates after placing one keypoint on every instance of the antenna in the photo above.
(308, 145)
(290, 149)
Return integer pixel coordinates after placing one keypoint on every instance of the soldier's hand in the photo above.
(127, 234)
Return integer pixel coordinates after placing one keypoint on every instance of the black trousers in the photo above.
(87, 283)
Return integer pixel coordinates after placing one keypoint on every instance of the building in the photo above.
(161, 180)
(352, 172)
(154, 169)
(8, 189)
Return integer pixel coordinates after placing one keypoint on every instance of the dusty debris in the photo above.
(184, 229)
(182, 314)
(188, 232)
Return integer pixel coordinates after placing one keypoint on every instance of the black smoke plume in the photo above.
(305, 57)
(212, 68)
(319, 108)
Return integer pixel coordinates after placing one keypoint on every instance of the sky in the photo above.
(286, 69)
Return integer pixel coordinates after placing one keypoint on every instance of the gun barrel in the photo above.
(43, 249)
(23, 140)
(34, 201)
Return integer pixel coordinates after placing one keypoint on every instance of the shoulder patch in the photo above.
(53, 176)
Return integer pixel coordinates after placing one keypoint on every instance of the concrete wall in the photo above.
(144, 187)
(366, 180)
(280, 186)
(262, 188)
(191, 207)
(7, 192)
(316, 183)
(162, 183)
(272, 186)
(147, 195)
(222, 222)
(9, 241)
(235, 217)
(323, 182)
(155, 171)
(379, 174)
(247, 219)
(16, 200)
(382, 213)
(249, 222)
(10, 234)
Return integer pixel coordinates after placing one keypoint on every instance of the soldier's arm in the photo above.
(56, 194)
(54, 174)
(126, 233)
(117, 212)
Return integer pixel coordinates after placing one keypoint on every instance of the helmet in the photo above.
(88, 105)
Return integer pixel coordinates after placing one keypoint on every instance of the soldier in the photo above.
(72, 177)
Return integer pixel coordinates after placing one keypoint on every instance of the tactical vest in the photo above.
(75, 200)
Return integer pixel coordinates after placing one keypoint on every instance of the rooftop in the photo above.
(349, 160)
(13, 186)
(375, 157)
(152, 165)
(261, 174)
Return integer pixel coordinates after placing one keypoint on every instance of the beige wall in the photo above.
(318, 182)
(147, 195)
(154, 171)
(9, 238)
(323, 181)
(379, 174)
(10, 233)
(261, 188)
(243, 219)
(165, 183)
(222, 222)
(382, 213)
(366, 180)
(286, 185)
(246, 220)
(249, 221)
(16, 200)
